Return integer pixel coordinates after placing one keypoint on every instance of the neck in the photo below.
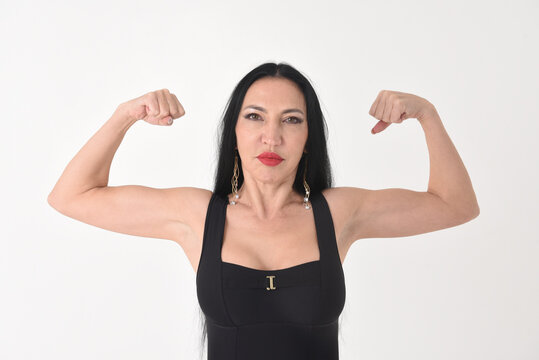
(268, 202)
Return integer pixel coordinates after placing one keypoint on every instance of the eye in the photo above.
(248, 116)
(297, 120)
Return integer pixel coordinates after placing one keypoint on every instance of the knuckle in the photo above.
(152, 97)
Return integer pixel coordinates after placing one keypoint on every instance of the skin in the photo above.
(261, 230)
(267, 190)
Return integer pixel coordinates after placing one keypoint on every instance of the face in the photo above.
(272, 119)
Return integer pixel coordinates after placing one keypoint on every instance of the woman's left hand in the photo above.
(394, 107)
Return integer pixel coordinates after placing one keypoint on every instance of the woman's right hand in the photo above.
(158, 107)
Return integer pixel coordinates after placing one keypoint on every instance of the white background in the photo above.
(74, 291)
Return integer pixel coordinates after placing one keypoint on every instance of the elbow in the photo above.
(52, 200)
(470, 213)
(465, 212)
(475, 212)
(49, 199)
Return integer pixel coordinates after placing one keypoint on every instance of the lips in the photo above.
(270, 158)
(269, 155)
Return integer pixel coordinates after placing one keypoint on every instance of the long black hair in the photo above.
(318, 174)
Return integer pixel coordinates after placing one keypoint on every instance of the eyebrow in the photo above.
(260, 108)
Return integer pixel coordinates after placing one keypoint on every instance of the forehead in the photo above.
(274, 92)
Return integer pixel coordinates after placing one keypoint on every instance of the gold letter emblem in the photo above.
(271, 287)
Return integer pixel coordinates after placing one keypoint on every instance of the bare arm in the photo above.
(448, 179)
(449, 200)
(90, 167)
(82, 191)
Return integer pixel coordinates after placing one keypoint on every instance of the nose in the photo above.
(271, 134)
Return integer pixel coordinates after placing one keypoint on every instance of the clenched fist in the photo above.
(158, 107)
(395, 107)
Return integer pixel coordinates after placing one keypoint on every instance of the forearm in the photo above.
(448, 176)
(91, 165)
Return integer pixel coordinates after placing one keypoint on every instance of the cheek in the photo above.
(246, 138)
(300, 138)
(241, 132)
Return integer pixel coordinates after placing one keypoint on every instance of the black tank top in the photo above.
(285, 314)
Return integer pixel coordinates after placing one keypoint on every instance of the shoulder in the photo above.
(191, 197)
(344, 199)
(190, 205)
(344, 204)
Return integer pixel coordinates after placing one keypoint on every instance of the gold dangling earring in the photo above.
(235, 180)
(307, 188)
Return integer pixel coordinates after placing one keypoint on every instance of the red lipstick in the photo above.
(270, 158)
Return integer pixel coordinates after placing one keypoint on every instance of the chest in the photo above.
(269, 245)
(276, 245)
(286, 272)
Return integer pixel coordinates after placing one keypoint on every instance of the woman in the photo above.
(270, 282)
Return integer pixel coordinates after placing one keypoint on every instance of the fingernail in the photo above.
(170, 121)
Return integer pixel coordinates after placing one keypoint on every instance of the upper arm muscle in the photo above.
(138, 210)
(399, 212)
